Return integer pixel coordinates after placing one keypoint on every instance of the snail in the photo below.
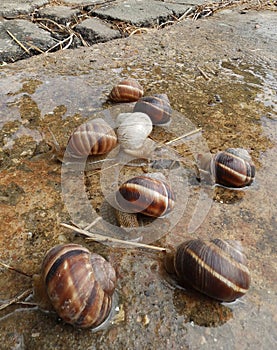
(132, 132)
(231, 168)
(146, 194)
(95, 137)
(79, 284)
(128, 90)
(157, 107)
(216, 268)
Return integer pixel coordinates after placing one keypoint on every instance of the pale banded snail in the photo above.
(157, 107)
(233, 168)
(147, 195)
(79, 284)
(128, 90)
(94, 137)
(216, 268)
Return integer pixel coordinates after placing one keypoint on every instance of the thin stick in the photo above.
(16, 299)
(203, 73)
(14, 269)
(100, 238)
(93, 223)
(190, 133)
(18, 42)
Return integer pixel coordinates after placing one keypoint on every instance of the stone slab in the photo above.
(94, 30)
(59, 14)
(26, 33)
(141, 13)
(12, 8)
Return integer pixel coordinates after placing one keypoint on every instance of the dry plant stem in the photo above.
(100, 238)
(18, 42)
(15, 269)
(16, 299)
(190, 133)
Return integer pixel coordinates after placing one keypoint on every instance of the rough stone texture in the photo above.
(94, 30)
(84, 2)
(59, 14)
(11, 8)
(141, 12)
(28, 34)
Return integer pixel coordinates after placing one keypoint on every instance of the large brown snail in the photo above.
(146, 194)
(95, 137)
(128, 90)
(77, 284)
(231, 168)
(216, 268)
(157, 107)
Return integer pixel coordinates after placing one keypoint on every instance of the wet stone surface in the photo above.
(222, 78)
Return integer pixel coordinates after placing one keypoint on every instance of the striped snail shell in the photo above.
(94, 137)
(233, 168)
(128, 90)
(157, 107)
(216, 268)
(133, 129)
(79, 284)
(147, 195)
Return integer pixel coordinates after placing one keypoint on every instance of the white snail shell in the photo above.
(133, 129)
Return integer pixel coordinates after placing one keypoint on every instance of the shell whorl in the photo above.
(146, 195)
(216, 268)
(94, 137)
(128, 90)
(79, 284)
(233, 168)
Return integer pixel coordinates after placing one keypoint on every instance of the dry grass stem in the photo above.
(16, 299)
(18, 42)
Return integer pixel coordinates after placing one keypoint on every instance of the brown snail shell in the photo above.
(233, 168)
(216, 268)
(128, 90)
(79, 284)
(157, 107)
(146, 195)
(95, 137)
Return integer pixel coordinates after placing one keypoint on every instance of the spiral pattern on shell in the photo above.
(95, 137)
(233, 168)
(216, 268)
(79, 284)
(128, 90)
(157, 107)
(146, 195)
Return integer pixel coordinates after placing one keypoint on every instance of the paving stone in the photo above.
(59, 14)
(95, 30)
(12, 8)
(84, 2)
(141, 13)
(189, 2)
(26, 33)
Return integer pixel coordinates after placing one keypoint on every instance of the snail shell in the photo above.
(133, 129)
(95, 137)
(233, 168)
(146, 195)
(157, 107)
(79, 284)
(216, 268)
(128, 90)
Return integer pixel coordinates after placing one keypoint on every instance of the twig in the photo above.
(100, 238)
(190, 133)
(15, 269)
(18, 42)
(203, 73)
(16, 299)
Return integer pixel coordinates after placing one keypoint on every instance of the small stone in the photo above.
(59, 14)
(94, 30)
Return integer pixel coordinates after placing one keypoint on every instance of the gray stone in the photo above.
(84, 2)
(94, 30)
(139, 13)
(28, 34)
(12, 8)
(189, 2)
(59, 14)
